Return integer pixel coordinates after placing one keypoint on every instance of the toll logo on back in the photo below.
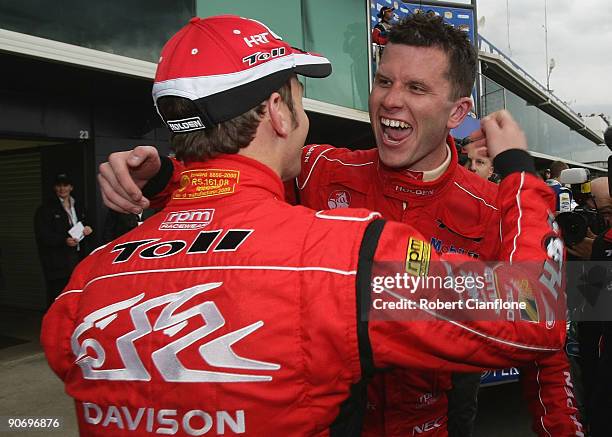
(187, 220)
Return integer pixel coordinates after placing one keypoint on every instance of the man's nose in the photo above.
(393, 98)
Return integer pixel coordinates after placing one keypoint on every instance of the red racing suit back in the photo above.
(457, 212)
(231, 312)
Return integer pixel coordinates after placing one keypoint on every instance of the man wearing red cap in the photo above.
(313, 158)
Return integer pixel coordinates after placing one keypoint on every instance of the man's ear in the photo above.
(460, 109)
(277, 114)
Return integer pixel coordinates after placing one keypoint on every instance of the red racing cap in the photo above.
(227, 65)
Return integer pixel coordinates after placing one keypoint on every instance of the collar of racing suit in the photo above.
(227, 176)
(409, 185)
(432, 175)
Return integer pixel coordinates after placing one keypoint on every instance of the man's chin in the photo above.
(394, 160)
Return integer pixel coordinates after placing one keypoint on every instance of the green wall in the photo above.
(336, 29)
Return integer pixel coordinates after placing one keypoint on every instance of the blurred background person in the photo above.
(585, 339)
(565, 200)
(58, 250)
(380, 33)
(595, 332)
(480, 164)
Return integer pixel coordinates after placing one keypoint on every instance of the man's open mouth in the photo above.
(395, 131)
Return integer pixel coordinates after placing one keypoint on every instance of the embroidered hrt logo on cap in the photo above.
(186, 125)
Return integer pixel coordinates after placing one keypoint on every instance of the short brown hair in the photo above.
(429, 30)
(227, 137)
(556, 168)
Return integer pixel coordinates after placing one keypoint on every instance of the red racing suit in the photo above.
(456, 213)
(232, 312)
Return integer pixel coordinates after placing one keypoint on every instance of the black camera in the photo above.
(574, 225)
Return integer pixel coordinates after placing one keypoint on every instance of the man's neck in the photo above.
(432, 175)
(435, 163)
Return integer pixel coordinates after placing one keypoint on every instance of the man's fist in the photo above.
(502, 133)
(123, 176)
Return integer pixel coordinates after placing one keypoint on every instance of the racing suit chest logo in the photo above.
(339, 199)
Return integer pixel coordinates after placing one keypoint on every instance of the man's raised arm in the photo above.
(129, 179)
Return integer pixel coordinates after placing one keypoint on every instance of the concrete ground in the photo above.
(29, 388)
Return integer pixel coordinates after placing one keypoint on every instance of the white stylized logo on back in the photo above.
(216, 353)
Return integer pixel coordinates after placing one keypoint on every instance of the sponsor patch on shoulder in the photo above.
(187, 220)
(207, 182)
(417, 257)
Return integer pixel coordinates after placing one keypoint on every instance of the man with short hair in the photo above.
(480, 164)
(421, 91)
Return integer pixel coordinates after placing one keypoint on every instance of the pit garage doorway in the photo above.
(27, 172)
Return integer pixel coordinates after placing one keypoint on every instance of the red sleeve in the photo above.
(549, 392)
(547, 385)
(513, 339)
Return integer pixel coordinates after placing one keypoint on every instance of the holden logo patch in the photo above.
(339, 199)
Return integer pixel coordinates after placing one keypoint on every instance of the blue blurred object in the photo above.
(496, 377)
(469, 125)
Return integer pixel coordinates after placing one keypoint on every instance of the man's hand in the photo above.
(583, 248)
(477, 140)
(502, 133)
(87, 230)
(123, 176)
(71, 242)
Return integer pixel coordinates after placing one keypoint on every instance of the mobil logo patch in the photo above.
(187, 220)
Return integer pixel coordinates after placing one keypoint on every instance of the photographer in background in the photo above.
(595, 335)
(600, 199)
(580, 229)
(590, 215)
(587, 234)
